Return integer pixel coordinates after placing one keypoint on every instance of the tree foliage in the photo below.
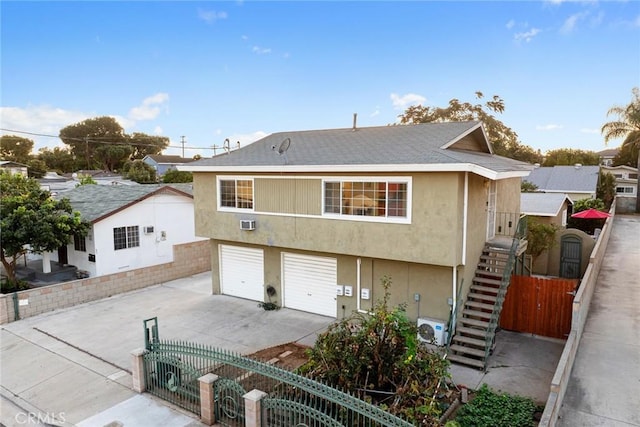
(15, 148)
(60, 159)
(145, 145)
(627, 156)
(626, 125)
(380, 355)
(570, 156)
(540, 237)
(173, 176)
(503, 139)
(139, 172)
(31, 217)
(99, 142)
(528, 187)
(37, 168)
(606, 190)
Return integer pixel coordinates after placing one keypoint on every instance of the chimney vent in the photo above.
(355, 120)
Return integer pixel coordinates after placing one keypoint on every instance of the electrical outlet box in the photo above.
(416, 297)
(339, 290)
(450, 301)
(348, 291)
(364, 293)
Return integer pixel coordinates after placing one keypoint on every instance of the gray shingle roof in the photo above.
(406, 145)
(94, 202)
(542, 204)
(567, 179)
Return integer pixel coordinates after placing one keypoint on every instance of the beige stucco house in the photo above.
(313, 220)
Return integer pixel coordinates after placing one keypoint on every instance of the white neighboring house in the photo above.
(626, 179)
(131, 226)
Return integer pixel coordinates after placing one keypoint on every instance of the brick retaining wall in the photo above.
(188, 259)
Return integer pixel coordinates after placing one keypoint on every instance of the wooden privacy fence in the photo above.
(539, 306)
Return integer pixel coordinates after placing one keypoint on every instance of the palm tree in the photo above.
(626, 126)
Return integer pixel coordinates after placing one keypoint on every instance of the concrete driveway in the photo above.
(71, 366)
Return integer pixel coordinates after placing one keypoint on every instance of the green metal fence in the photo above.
(172, 369)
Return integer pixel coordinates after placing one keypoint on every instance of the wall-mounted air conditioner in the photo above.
(148, 229)
(247, 224)
(432, 331)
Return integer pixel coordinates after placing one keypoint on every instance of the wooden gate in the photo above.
(539, 306)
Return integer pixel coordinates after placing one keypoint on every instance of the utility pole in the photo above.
(182, 142)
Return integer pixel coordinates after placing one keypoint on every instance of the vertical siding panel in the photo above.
(288, 196)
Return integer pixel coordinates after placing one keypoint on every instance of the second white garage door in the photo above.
(242, 272)
(310, 283)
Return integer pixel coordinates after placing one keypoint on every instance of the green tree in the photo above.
(30, 216)
(145, 145)
(37, 168)
(606, 190)
(570, 156)
(100, 143)
(139, 172)
(176, 176)
(60, 159)
(15, 148)
(627, 156)
(528, 187)
(540, 237)
(503, 139)
(626, 126)
(86, 180)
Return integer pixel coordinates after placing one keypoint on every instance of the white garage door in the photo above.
(242, 272)
(310, 283)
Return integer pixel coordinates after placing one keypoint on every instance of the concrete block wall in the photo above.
(189, 259)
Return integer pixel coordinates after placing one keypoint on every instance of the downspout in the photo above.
(465, 211)
(359, 285)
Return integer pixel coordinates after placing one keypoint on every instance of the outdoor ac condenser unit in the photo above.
(246, 224)
(432, 331)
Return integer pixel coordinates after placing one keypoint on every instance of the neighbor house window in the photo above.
(79, 243)
(236, 193)
(624, 190)
(385, 199)
(126, 237)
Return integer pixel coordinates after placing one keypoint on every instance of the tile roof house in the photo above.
(314, 220)
(607, 156)
(577, 181)
(131, 226)
(162, 163)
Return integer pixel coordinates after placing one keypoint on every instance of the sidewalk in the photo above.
(604, 387)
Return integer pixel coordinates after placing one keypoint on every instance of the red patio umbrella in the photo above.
(591, 214)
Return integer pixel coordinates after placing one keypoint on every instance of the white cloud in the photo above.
(261, 50)
(548, 127)
(527, 35)
(150, 108)
(407, 100)
(41, 119)
(375, 113)
(592, 131)
(571, 23)
(157, 130)
(211, 16)
(510, 24)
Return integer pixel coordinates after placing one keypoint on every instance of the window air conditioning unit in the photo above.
(432, 331)
(148, 229)
(246, 224)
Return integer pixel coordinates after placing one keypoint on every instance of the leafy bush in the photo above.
(8, 285)
(491, 409)
(379, 356)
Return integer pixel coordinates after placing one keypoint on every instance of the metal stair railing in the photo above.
(521, 232)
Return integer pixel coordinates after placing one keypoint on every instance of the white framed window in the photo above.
(126, 237)
(367, 198)
(624, 190)
(235, 193)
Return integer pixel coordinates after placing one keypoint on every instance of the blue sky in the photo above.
(242, 70)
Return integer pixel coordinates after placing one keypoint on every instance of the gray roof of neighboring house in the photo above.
(95, 202)
(404, 146)
(542, 204)
(567, 179)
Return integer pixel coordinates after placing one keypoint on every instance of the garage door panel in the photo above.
(310, 283)
(242, 272)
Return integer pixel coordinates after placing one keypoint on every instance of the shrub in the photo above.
(378, 356)
(491, 409)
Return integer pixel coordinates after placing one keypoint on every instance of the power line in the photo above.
(107, 142)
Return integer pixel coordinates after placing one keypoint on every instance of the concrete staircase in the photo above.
(475, 331)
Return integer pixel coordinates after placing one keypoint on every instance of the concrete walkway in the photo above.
(71, 367)
(604, 388)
